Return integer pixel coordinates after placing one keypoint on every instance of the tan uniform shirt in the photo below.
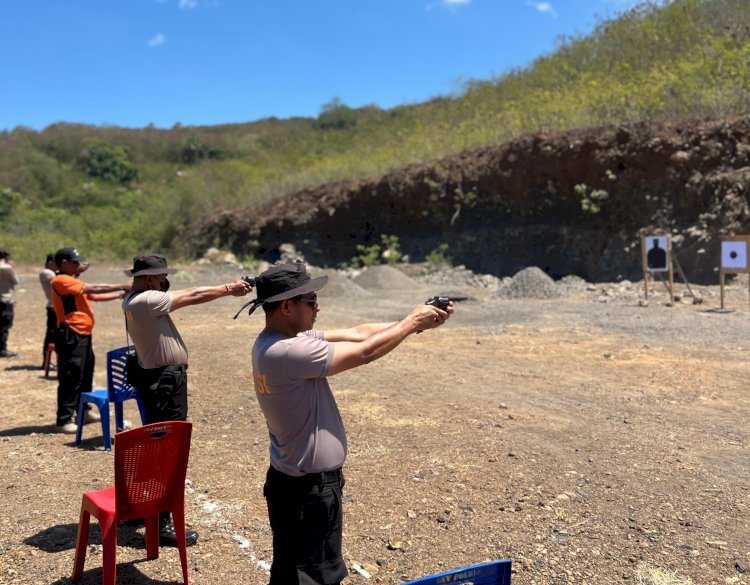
(45, 279)
(8, 282)
(156, 339)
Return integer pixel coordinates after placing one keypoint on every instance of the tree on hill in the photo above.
(336, 115)
(109, 163)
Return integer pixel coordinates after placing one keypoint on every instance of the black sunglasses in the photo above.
(313, 300)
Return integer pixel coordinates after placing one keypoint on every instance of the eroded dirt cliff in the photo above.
(572, 203)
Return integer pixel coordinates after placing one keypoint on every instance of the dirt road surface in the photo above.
(589, 441)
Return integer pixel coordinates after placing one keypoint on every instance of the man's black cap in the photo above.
(68, 254)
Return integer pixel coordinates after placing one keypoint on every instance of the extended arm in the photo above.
(358, 333)
(350, 354)
(110, 296)
(98, 289)
(204, 294)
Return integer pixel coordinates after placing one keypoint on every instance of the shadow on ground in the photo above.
(29, 430)
(63, 537)
(127, 574)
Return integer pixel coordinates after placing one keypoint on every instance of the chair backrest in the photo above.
(492, 573)
(150, 467)
(118, 388)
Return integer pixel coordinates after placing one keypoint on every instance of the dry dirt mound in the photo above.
(341, 286)
(529, 283)
(385, 278)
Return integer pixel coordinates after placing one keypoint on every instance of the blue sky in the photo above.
(136, 62)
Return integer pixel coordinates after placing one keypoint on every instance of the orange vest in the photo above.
(71, 305)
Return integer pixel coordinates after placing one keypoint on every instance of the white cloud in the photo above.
(543, 7)
(188, 4)
(449, 4)
(156, 40)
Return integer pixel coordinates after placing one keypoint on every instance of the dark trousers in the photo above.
(307, 519)
(6, 322)
(165, 398)
(75, 371)
(51, 335)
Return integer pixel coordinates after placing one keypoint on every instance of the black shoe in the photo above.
(7, 354)
(168, 537)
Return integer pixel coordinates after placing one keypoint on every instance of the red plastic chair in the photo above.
(150, 469)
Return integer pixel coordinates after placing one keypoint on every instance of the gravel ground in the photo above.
(591, 438)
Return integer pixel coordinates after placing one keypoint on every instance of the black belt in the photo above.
(329, 476)
(334, 476)
(160, 369)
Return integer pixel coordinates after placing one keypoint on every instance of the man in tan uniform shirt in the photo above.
(162, 354)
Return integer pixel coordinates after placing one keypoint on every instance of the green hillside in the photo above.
(114, 191)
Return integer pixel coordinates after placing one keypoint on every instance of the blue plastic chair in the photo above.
(118, 390)
(493, 573)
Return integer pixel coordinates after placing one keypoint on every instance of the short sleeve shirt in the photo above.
(305, 427)
(45, 279)
(156, 339)
(71, 305)
(8, 282)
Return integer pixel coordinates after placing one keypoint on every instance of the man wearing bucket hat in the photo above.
(162, 355)
(291, 363)
(75, 322)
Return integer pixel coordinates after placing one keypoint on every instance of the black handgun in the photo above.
(249, 279)
(441, 301)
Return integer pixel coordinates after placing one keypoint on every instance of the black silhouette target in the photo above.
(656, 253)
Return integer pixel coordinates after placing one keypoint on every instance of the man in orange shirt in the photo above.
(75, 319)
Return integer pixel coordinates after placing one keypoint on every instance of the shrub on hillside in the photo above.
(109, 163)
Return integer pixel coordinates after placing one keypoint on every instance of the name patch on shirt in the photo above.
(261, 384)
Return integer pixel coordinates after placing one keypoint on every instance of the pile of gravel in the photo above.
(459, 277)
(339, 285)
(385, 277)
(573, 284)
(529, 283)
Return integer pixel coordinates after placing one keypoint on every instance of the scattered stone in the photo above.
(216, 256)
(290, 254)
(357, 568)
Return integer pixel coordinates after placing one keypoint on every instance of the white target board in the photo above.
(657, 253)
(734, 255)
